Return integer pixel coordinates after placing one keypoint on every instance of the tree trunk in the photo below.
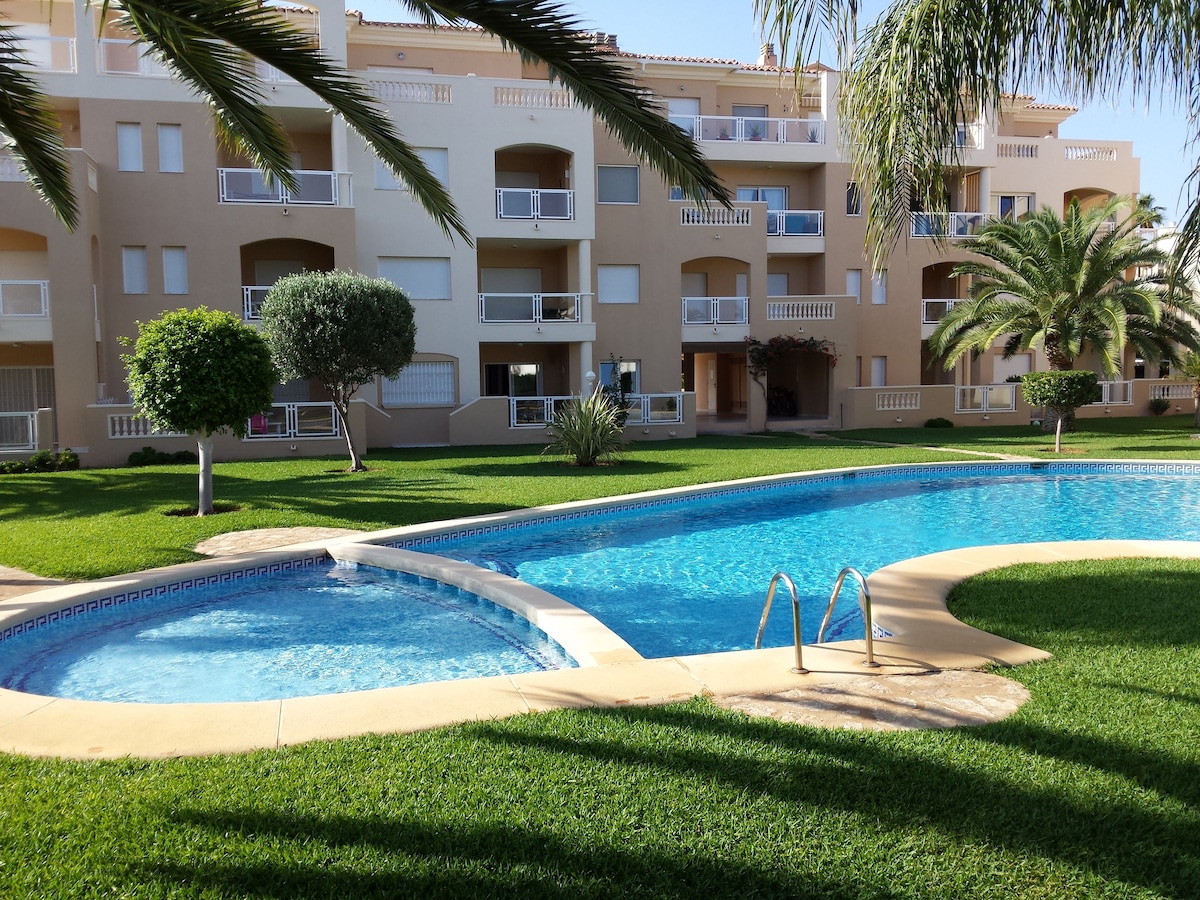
(205, 505)
(1054, 416)
(1058, 436)
(356, 463)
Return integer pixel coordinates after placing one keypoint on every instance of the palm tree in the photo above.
(210, 45)
(921, 68)
(1061, 284)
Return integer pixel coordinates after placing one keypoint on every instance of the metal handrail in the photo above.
(865, 594)
(791, 586)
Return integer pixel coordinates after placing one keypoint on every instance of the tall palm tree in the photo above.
(1061, 284)
(923, 66)
(210, 45)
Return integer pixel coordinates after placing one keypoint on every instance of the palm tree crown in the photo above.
(1061, 284)
(211, 44)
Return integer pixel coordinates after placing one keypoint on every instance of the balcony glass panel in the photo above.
(248, 186)
(554, 205)
(514, 203)
(560, 307)
(508, 307)
(697, 310)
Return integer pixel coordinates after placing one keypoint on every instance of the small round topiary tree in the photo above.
(1062, 393)
(342, 330)
(200, 371)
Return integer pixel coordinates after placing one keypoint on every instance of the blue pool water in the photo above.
(691, 576)
(310, 631)
(670, 575)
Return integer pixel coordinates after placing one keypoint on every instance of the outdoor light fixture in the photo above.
(899, 419)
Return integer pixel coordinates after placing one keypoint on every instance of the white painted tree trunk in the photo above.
(343, 412)
(205, 506)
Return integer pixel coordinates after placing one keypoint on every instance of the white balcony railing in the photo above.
(294, 421)
(932, 311)
(715, 215)
(10, 170)
(1015, 150)
(1115, 393)
(1089, 153)
(270, 74)
(116, 56)
(1179, 391)
(46, 53)
(969, 136)
(252, 297)
(317, 188)
(780, 310)
(752, 130)
(643, 409)
(131, 425)
(530, 308)
(947, 225)
(796, 222)
(18, 430)
(532, 98)
(532, 203)
(25, 299)
(715, 310)
(410, 91)
(985, 398)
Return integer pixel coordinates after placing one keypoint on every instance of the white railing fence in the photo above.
(796, 222)
(532, 98)
(1008, 150)
(117, 56)
(47, 53)
(752, 129)
(253, 296)
(25, 299)
(985, 398)
(715, 310)
(410, 91)
(131, 425)
(530, 308)
(895, 400)
(316, 188)
(1181, 391)
(294, 421)
(18, 430)
(932, 311)
(1089, 153)
(947, 225)
(643, 409)
(534, 203)
(1115, 393)
(716, 215)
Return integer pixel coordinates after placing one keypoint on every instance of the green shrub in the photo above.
(148, 456)
(43, 461)
(938, 422)
(1159, 405)
(68, 460)
(588, 430)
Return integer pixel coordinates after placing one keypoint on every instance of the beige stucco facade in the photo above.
(582, 257)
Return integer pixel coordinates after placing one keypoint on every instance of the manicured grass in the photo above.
(98, 522)
(1090, 790)
(1142, 437)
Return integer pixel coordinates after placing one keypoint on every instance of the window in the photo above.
(774, 197)
(420, 277)
(777, 284)
(618, 284)
(436, 159)
(628, 369)
(421, 384)
(175, 276)
(878, 371)
(512, 380)
(853, 199)
(854, 284)
(879, 288)
(742, 111)
(682, 112)
(170, 148)
(129, 147)
(616, 184)
(1011, 206)
(133, 269)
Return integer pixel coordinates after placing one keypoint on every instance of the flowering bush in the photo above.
(760, 355)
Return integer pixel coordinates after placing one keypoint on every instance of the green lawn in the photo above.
(1143, 437)
(1090, 790)
(98, 522)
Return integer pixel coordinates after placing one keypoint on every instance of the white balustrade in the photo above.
(410, 91)
(1089, 153)
(131, 425)
(896, 400)
(532, 98)
(1007, 150)
(800, 310)
(1179, 391)
(714, 215)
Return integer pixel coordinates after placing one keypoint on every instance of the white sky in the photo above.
(725, 29)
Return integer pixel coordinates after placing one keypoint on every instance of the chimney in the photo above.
(606, 41)
(767, 57)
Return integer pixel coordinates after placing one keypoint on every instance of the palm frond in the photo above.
(29, 128)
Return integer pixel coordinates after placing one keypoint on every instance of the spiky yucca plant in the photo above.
(587, 430)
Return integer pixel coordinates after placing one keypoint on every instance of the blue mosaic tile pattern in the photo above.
(93, 604)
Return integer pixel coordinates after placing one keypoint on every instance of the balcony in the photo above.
(801, 309)
(933, 311)
(947, 225)
(116, 56)
(294, 421)
(44, 53)
(527, 309)
(752, 130)
(316, 188)
(715, 310)
(25, 311)
(534, 203)
(643, 409)
(809, 222)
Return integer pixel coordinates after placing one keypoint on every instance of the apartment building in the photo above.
(585, 268)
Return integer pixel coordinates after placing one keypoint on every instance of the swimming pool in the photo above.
(684, 572)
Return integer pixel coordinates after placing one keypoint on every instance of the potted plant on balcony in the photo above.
(755, 131)
(723, 134)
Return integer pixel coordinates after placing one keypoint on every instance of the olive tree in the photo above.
(341, 330)
(199, 371)
(1061, 392)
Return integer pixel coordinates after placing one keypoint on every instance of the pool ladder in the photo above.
(864, 600)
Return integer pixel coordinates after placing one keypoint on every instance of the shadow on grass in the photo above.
(552, 467)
